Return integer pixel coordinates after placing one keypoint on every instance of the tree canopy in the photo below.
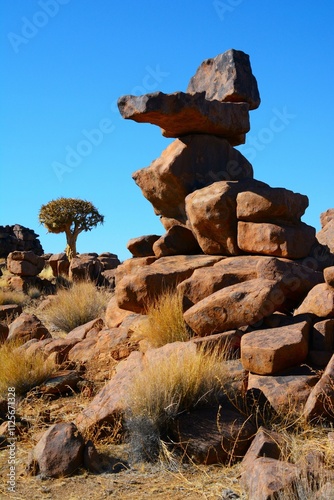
(70, 216)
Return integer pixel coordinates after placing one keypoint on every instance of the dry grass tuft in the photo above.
(165, 389)
(165, 320)
(21, 370)
(80, 303)
(12, 297)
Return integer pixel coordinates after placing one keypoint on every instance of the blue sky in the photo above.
(66, 62)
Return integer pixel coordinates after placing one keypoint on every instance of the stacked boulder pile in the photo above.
(251, 274)
(234, 246)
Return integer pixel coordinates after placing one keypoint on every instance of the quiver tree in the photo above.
(70, 216)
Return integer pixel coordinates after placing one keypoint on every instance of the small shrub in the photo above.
(165, 389)
(165, 320)
(80, 303)
(21, 370)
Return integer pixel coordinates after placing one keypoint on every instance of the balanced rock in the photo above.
(182, 114)
(188, 164)
(227, 77)
(269, 351)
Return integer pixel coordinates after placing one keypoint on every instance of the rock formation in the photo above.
(19, 238)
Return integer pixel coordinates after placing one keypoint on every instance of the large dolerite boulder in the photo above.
(233, 217)
(85, 266)
(189, 163)
(181, 114)
(234, 306)
(212, 215)
(227, 77)
(294, 279)
(25, 263)
(139, 286)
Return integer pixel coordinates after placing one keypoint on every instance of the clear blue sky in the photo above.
(66, 62)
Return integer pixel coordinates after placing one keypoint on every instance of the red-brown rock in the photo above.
(24, 263)
(178, 240)
(180, 114)
(292, 242)
(321, 399)
(266, 352)
(227, 77)
(267, 204)
(206, 281)
(266, 443)
(319, 301)
(322, 338)
(59, 264)
(110, 402)
(289, 389)
(266, 478)
(114, 315)
(188, 164)
(59, 452)
(26, 327)
(9, 310)
(234, 306)
(142, 246)
(326, 235)
(136, 290)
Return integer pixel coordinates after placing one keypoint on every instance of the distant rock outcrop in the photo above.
(18, 238)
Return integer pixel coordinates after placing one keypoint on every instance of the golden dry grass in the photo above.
(176, 383)
(12, 297)
(165, 320)
(21, 370)
(80, 303)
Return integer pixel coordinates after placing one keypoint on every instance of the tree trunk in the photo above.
(71, 247)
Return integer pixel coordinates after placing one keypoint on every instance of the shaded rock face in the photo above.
(227, 77)
(179, 114)
(18, 238)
